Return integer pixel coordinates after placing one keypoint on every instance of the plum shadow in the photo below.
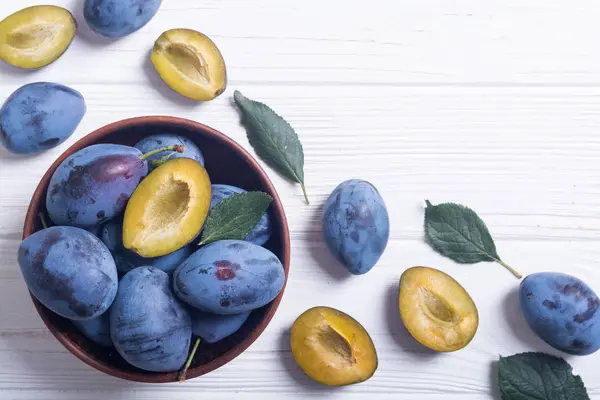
(84, 32)
(397, 329)
(519, 327)
(321, 253)
(494, 382)
(292, 368)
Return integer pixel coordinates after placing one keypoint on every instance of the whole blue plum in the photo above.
(154, 142)
(356, 225)
(261, 232)
(150, 328)
(96, 329)
(40, 116)
(94, 184)
(229, 277)
(119, 18)
(213, 327)
(70, 271)
(562, 310)
(126, 260)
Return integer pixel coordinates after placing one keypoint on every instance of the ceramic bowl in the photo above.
(226, 162)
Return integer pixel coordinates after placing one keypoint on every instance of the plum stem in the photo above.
(511, 269)
(161, 161)
(43, 220)
(177, 148)
(189, 361)
(304, 191)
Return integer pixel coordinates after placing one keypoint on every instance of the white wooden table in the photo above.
(492, 104)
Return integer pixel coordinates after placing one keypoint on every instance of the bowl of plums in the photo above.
(155, 249)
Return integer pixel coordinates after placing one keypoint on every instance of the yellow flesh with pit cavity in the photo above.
(436, 310)
(190, 63)
(332, 348)
(36, 36)
(167, 209)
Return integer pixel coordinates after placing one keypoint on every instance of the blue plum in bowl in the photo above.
(111, 234)
(119, 18)
(214, 327)
(562, 310)
(40, 116)
(356, 225)
(94, 184)
(70, 271)
(261, 233)
(96, 329)
(154, 142)
(150, 328)
(229, 277)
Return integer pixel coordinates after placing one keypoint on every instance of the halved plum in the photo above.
(332, 348)
(168, 208)
(436, 310)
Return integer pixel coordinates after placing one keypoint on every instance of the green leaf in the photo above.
(273, 139)
(538, 376)
(235, 217)
(457, 232)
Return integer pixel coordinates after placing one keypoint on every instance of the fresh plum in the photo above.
(149, 326)
(229, 277)
(70, 271)
(356, 225)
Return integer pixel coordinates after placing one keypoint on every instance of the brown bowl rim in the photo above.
(277, 209)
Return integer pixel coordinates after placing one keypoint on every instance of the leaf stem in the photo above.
(177, 148)
(189, 361)
(43, 220)
(511, 269)
(304, 191)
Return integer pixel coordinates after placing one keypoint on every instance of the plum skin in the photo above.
(229, 277)
(213, 327)
(119, 18)
(94, 184)
(70, 271)
(39, 116)
(261, 233)
(96, 329)
(562, 310)
(150, 328)
(154, 142)
(356, 225)
(111, 234)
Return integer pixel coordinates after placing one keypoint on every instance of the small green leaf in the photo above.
(273, 139)
(235, 217)
(538, 376)
(457, 232)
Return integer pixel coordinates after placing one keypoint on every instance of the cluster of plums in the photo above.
(43, 115)
(334, 349)
(122, 261)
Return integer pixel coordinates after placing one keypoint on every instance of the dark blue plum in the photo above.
(356, 225)
(94, 184)
(118, 18)
(70, 271)
(213, 327)
(96, 329)
(150, 328)
(261, 232)
(126, 260)
(229, 277)
(40, 116)
(562, 310)
(154, 142)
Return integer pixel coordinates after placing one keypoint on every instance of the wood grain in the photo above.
(493, 104)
